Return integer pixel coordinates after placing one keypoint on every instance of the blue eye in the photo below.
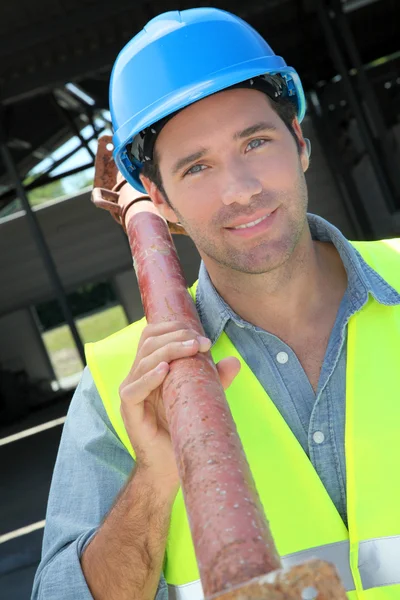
(256, 143)
(195, 169)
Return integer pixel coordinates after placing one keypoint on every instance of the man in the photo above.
(206, 122)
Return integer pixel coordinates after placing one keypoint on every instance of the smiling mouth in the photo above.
(252, 223)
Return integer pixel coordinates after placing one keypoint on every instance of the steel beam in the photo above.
(325, 18)
(352, 202)
(351, 5)
(44, 179)
(5, 199)
(44, 176)
(36, 327)
(41, 243)
(374, 110)
(68, 119)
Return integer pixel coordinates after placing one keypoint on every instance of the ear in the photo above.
(304, 146)
(159, 200)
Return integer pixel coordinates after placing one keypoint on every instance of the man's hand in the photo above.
(142, 407)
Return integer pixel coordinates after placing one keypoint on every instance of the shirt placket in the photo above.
(323, 427)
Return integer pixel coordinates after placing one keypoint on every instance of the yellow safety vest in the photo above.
(302, 516)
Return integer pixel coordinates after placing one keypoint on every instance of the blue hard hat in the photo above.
(179, 58)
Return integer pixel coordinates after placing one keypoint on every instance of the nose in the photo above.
(240, 184)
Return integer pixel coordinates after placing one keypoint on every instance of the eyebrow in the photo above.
(261, 126)
(187, 160)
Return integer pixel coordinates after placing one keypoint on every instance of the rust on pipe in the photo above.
(230, 534)
(231, 537)
(313, 580)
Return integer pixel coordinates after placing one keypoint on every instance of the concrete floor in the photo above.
(26, 467)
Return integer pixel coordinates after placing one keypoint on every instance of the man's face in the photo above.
(229, 160)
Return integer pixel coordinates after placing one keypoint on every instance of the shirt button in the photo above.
(282, 357)
(318, 437)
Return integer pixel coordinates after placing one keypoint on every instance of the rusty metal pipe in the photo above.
(230, 533)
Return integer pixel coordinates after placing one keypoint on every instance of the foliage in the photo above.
(55, 189)
(51, 191)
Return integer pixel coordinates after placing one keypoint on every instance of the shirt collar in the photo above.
(214, 312)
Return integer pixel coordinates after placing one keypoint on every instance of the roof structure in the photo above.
(47, 44)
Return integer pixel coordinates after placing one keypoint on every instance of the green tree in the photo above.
(51, 191)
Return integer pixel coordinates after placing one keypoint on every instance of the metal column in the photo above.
(354, 207)
(371, 102)
(41, 243)
(355, 104)
(68, 119)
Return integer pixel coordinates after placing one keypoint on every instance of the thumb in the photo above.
(227, 369)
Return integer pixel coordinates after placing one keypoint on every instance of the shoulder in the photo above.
(379, 249)
(383, 256)
(87, 424)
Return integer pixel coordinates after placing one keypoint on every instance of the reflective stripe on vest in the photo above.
(188, 591)
(379, 562)
(379, 565)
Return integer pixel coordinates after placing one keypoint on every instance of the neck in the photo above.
(311, 282)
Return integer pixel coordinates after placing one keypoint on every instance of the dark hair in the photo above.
(285, 109)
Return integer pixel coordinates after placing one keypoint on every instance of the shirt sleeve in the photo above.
(91, 468)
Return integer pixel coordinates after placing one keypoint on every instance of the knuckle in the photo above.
(184, 334)
(123, 392)
(148, 384)
(142, 366)
(145, 334)
(175, 350)
(150, 331)
(147, 345)
(148, 379)
(181, 325)
(171, 348)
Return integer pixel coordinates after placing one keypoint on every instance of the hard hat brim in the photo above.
(184, 97)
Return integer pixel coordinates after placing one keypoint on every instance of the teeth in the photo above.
(252, 223)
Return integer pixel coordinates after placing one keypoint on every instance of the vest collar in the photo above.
(362, 280)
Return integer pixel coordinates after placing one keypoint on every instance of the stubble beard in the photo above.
(268, 255)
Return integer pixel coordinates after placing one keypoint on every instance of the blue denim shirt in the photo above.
(92, 464)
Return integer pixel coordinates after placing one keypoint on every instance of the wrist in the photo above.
(162, 488)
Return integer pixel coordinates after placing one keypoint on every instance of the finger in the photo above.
(168, 353)
(154, 343)
(228, 368)
(137, 391)
(156, 329)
